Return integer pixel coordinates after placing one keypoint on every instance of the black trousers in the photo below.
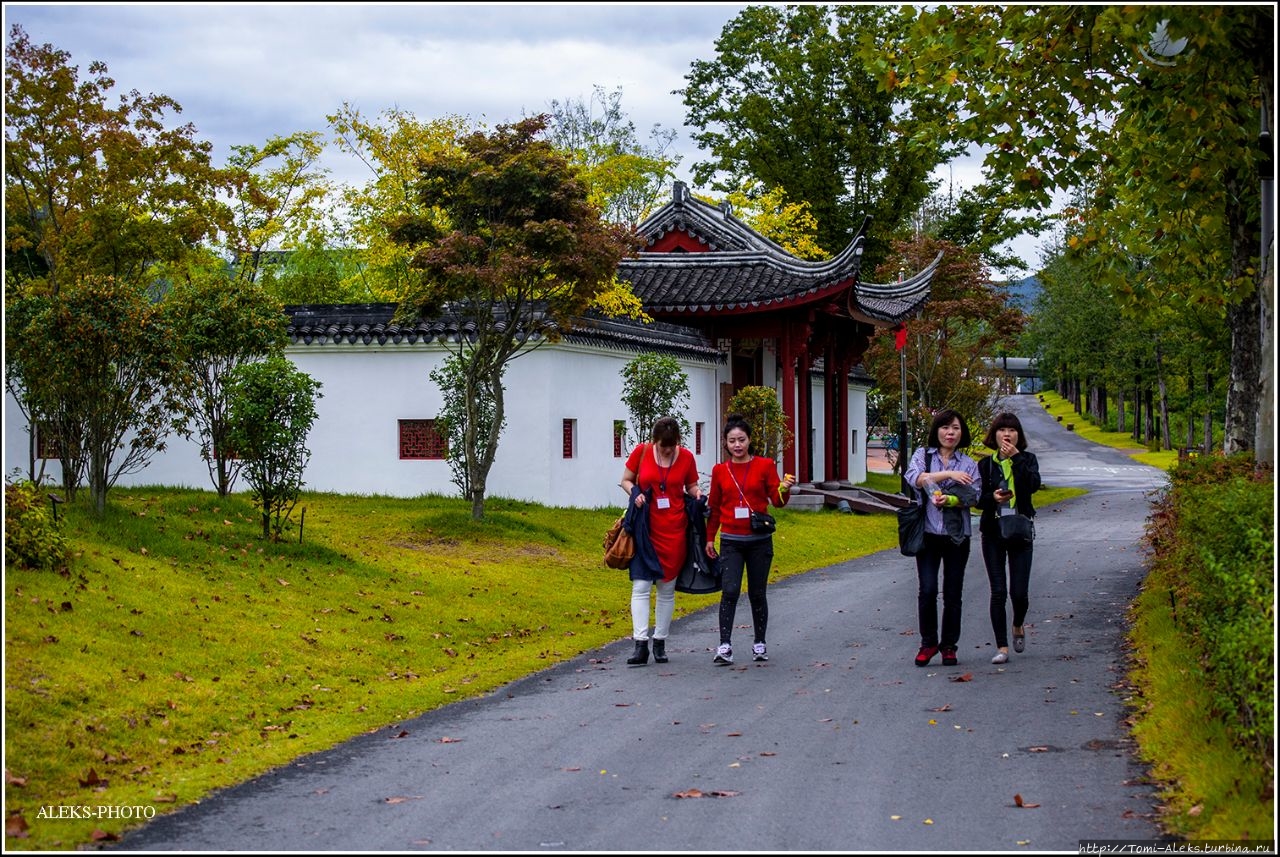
(756, 556)
(941, 553)
(996, 555)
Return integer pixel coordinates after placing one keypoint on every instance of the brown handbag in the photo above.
(619, 546)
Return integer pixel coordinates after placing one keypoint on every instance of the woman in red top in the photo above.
(742, 485)
(658, 475)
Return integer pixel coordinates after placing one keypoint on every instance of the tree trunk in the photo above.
(1120, 422)
(1208, 414)
(1165, 441)
(1150, 407)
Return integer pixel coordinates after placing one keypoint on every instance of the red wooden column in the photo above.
(845, 365)
(786, 355)
(803, 426)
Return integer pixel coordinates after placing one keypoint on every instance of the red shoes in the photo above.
(925, 655)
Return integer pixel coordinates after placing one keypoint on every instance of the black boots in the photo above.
(659, 651)
(641, 655)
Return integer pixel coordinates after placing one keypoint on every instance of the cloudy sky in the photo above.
(246, 72)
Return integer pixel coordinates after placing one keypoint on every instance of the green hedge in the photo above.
(1212, 537)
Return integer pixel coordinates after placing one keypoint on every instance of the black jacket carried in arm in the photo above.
(645, 565)
(1026, 481)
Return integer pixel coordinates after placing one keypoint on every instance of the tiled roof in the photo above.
(374, 324)
(743, 271)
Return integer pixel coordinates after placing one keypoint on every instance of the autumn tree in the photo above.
(790, 225)
(281, 205)
(388, 145)
(788, 104)
(93, 189)
(965, 322)
(518, 254)
(1158, 107)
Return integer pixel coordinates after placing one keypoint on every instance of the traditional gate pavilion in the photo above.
(704, 268)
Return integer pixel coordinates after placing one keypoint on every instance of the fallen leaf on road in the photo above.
(1037, 749)
(1018, 802)
(946, 707)
(692, 793)
(965, 677)
(401, 798)
(447, 740)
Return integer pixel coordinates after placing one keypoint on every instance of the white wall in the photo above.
(367, 389)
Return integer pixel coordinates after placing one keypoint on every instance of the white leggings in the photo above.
(640, 609)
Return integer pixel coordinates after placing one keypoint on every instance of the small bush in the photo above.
(31, 538)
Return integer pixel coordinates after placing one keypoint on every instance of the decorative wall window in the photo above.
(569, 434)
(48, 444)
(619, 434)
(854, 447)
(697, 437)
(420, 439)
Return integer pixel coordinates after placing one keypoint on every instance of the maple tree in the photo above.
(516, 253)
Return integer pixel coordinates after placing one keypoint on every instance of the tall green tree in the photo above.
(517, 254)
(788, 103)
(388, 145)
(272, 409)
(281, 200)
(220, 324)
(93, 189)
(1158, 107)
(625, 177)
(654, 386)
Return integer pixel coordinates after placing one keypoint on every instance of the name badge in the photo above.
(742, 512)
(664, 502)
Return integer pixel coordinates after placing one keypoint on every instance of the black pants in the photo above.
(995, 555)
(941, 552)
(756, 556)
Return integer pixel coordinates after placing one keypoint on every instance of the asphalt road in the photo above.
(837, 743)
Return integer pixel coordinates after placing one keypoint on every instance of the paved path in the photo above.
(838, 743)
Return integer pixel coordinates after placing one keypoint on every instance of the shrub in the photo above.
(31, 538)
(1211, 536)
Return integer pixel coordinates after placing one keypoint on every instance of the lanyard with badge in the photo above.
(664, 502)
(743, 511)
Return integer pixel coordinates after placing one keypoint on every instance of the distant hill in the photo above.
(1022, 293)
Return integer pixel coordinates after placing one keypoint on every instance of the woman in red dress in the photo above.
(658, 475)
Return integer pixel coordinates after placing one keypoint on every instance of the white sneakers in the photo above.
(724, 654)
(1000, 658)
(758, 652)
